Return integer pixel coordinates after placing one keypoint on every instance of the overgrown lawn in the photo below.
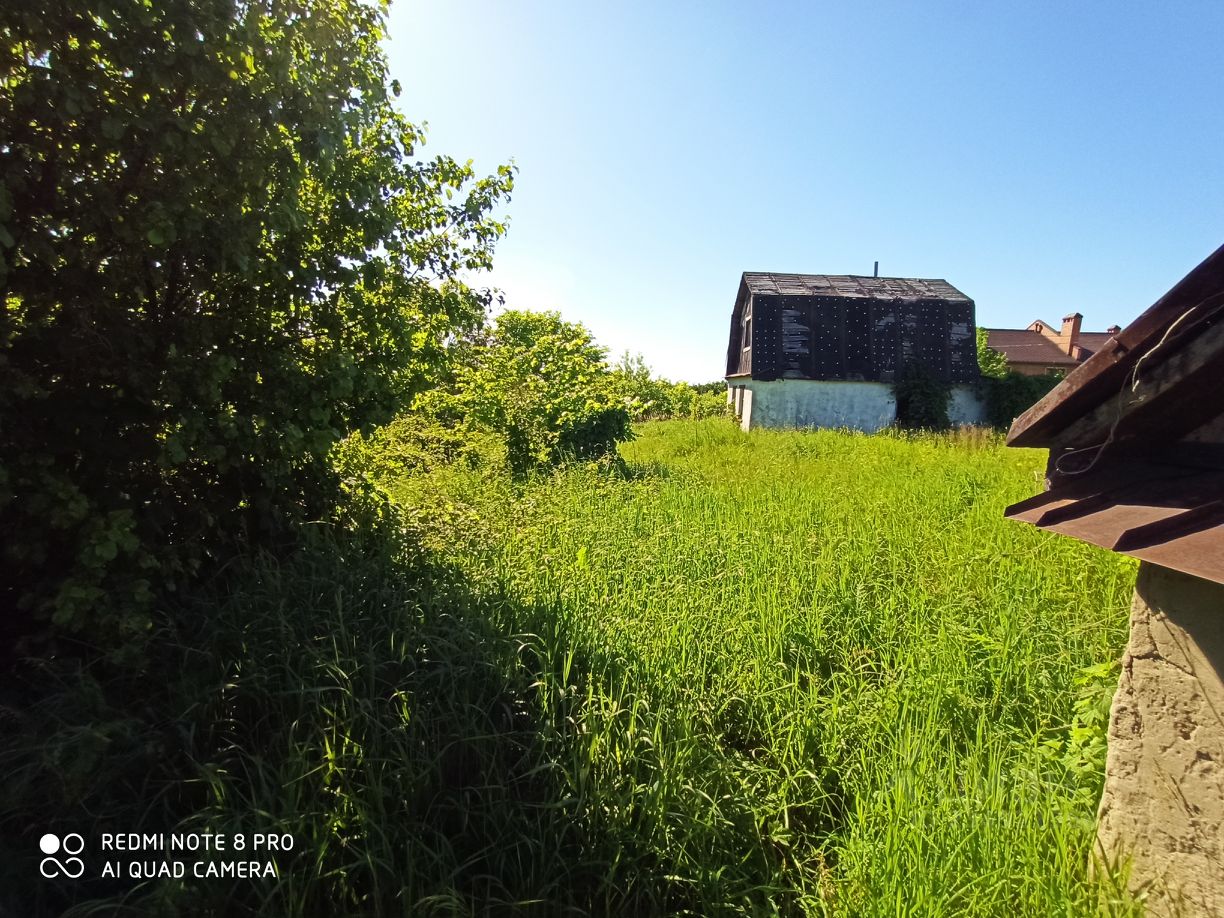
(802, 673)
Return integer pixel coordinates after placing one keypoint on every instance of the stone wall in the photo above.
(1163, 803)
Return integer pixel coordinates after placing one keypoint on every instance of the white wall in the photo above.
(864, 406)
(816, 403)
(965, 408)
(745, 408)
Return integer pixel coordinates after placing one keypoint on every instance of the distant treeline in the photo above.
(650, 397)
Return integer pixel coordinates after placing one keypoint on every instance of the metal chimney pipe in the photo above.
(877, 270)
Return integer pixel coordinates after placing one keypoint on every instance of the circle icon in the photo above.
(71, 867)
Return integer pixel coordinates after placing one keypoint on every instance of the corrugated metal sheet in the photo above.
(1167, 514)
(1136, 436)
(1180, 317)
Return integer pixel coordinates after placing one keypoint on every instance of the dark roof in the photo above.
(842, 327)
(851, 285)
(1019, 345)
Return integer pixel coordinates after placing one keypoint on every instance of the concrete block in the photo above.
(1163, 801)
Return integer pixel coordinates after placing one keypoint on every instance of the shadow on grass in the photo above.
(422, 747)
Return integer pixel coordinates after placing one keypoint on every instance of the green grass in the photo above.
(821, 673)
(801, 673)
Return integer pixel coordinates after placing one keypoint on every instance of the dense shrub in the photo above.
(542, 384)
(688, 401)
(218, 255)
(922, 399)
(650, 397)
(1009, 396)
(991, 363)
(413, 443)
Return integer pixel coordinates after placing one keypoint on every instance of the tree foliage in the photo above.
(1006, 392)
(652, 397)
(992, 363)
(219, 253)
(543, 384)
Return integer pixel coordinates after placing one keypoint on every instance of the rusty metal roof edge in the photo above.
(1100, 376)
(1165, 514)
(1185, 563)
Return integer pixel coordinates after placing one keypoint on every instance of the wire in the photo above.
(1121, 402)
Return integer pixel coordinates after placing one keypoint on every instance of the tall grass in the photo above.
(802, 673)
(856, 684)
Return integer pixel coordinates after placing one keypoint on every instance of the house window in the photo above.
(746, 339)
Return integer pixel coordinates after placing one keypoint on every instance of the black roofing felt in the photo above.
(852, 285)
(841, 327)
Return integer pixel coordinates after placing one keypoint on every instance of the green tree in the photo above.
(219, 253)
(653, 397)
(992, 363)
(543, 384)
(643, 395)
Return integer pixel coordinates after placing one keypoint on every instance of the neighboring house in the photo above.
(1136, 465)
(817, 350)
(1041, 349)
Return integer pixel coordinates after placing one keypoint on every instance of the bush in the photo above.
(649, 397)
(922, 399)
(991, 363)
(218, 256)
(542, 384)
(1009, 396)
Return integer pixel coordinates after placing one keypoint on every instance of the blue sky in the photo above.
(1043, 158)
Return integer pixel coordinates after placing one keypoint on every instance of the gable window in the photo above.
(746, 338)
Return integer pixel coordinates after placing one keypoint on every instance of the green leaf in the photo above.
(298, 215)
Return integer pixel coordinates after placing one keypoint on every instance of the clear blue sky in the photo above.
(1044, 158)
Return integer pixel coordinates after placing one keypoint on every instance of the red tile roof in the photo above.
(1093, 341)
(1019, 345)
